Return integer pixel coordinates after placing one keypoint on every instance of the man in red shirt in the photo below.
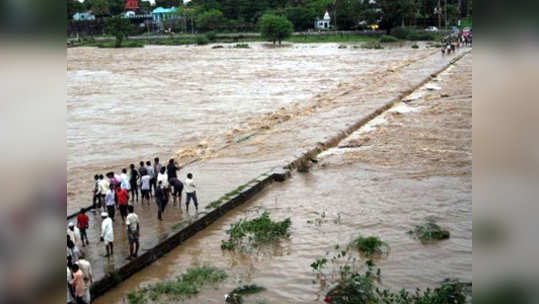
(123, 198)
(82, 223)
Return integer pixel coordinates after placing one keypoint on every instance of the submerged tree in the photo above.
(275, 28)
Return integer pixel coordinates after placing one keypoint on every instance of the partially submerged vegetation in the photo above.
(236, 295)
(185, 286)
(372, 45)
(256, 232)
(369, 246)
(430, 231)
(241, 46)
(346, 282)
(388, 38)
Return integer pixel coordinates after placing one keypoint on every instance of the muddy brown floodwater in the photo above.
(133, 104)
(411, 163)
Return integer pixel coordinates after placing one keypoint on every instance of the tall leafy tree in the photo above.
(302, 17)
(167, 3)
(210, 20)
(118, 27)
(275, 28)
(73, 7)
(396, 12)
(99, 7)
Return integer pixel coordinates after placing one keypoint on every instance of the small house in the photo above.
(324, 23)
(161, 14)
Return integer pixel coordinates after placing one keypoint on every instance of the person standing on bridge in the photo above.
(96, 198)
(145, 187)
(172, 169)
(123, 199)
(124, 180)
(107, 233)
(74, 233)
(177, 188)
(133, 182)
(133, 232)
(161, 199)
(82, 224)
(156, 169)
(104, 187)
(190, 190)
(86, 268)
(153, 176)
(110, 202)
(162, 177)
(78, 284)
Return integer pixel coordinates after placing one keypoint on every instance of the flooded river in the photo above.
(410, 164)
(133, 104)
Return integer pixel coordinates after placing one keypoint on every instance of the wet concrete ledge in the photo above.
(303, 159)
(184, 230)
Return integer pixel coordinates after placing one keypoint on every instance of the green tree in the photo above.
(275, 28)
(302, 17)
(99, 7)
(120, 28)
(167, 3)
(116, 7)
(211, 20)
(396, 12)
(73, 7)
(145, 6)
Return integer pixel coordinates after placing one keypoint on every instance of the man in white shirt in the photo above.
(163, 177)
(124, 180)
(74, 233)
(190, 190)
(133, 232)
(107, 233)
(145, 188)
(104, 188)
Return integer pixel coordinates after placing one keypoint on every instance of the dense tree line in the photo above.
(244, 15)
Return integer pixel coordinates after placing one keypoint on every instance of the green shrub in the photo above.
(369, 245)
(421, 36)
(258, 231)
(217, 47)
(387, 38)
(415, 46)
(400, 32)
(185, 286)
(241, 46)
(236, 295)
(372, 45)
(211, 35)
(430, 231)
(201, 40)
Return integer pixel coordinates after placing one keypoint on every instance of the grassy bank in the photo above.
(203, 39)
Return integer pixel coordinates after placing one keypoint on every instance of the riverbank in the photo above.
(204, 38)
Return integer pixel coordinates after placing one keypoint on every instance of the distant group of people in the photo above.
(451, 43)
(112, 192)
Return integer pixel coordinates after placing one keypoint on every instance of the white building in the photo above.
(324, 23)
